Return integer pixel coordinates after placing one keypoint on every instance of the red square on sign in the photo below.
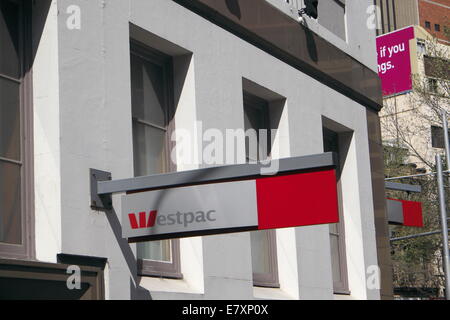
(301, 199)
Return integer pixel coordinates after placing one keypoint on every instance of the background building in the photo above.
(414, 98)
(103, 84)
(432, 15)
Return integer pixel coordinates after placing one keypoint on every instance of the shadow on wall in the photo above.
(40, 11)
(136, 292)
(310, 43)
(234, 7)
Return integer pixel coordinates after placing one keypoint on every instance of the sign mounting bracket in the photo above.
(99, 201)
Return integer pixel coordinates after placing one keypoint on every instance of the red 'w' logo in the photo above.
(143, 221)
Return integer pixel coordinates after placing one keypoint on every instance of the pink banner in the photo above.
(394, 61)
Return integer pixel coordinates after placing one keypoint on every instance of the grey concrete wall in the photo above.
(93, 117)
(95, 131)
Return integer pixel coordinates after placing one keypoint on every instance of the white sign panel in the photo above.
(188, 209)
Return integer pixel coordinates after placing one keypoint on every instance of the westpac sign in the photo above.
(289, 200)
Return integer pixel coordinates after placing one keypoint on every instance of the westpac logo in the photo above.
(143, 221)
(150, 219)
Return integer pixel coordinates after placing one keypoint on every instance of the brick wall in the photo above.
(436, 12)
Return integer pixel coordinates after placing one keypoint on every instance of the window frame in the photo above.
(25, 250)
(270, 279)
(153, 268)
(339, 287)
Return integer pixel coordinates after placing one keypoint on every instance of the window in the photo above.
(427, 24)
(263, 243)
(337, 231)
(437, 27)
(395, 156)
(432, 85)
(437, 68)
(421, 47)
(16, 202)
(152, 111)
(437, 137)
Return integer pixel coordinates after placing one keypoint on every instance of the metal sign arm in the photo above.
(102, 187)
(419, 235)
(403, 187)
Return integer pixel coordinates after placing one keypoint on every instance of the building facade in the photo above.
(108, 84)
(432, 15)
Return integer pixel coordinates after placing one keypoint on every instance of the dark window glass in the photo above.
(437, 137)
(148, 92)
(16, 187)
(10, 205)
(150, 89)
(427, 24)
(9, 39)
(437, 68)
(149, 135)
(330, 141)
(437, 27)
(256, 117)
(9, 120)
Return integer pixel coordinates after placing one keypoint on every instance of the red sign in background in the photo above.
(412, 213)
(394, 61)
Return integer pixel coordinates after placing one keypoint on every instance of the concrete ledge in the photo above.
(270, 294)
(155, 285)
